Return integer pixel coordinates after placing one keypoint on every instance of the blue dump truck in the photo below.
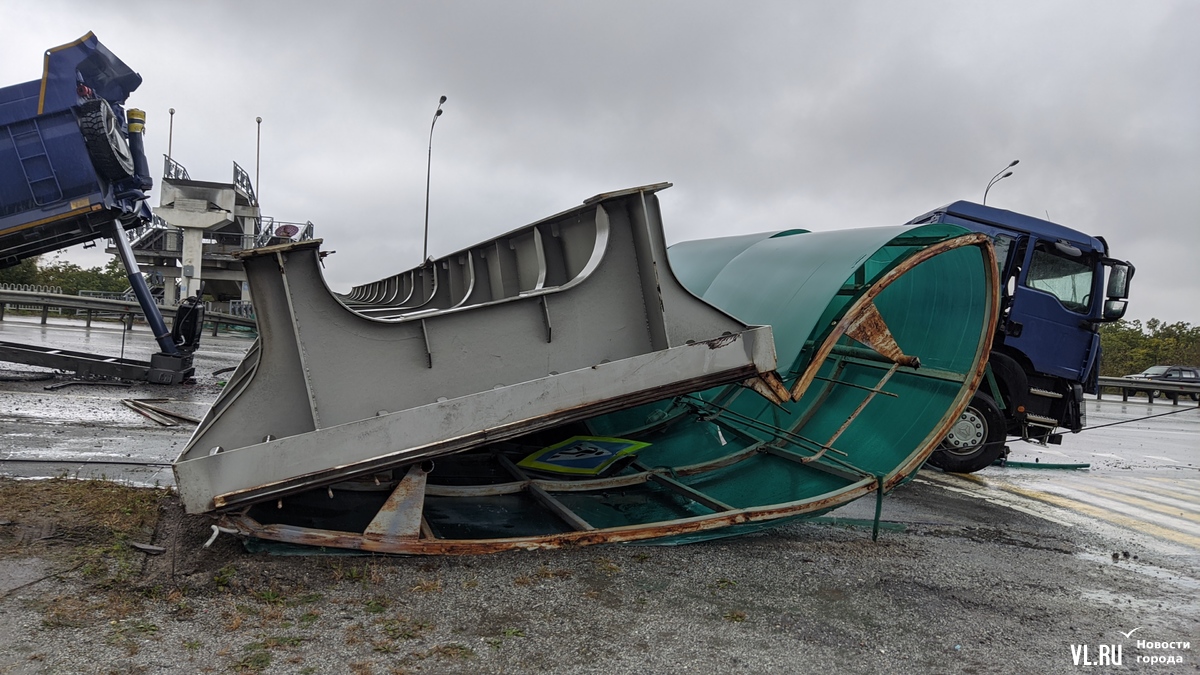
(71, 158)
(1058, 286)
(73, 169)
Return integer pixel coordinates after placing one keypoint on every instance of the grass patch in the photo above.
(403, 628)
(109, 509)
(607, 566)
(254, 662)
(427, 586)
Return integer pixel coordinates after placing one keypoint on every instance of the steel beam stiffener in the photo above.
(574, 316)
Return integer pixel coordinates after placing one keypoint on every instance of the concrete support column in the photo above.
(193, 259)
(170, 291)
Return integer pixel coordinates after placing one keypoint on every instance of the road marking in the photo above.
(1105, 494)
(1109, 516)
(1184, 498)
(1105, 454)
(1165, 459)
(1006, 503)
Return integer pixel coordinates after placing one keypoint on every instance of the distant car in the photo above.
(1172, 374)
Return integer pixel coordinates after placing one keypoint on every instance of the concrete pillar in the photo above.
(170, 291)
(193, 259)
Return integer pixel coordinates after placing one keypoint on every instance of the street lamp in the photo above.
(997, 178)
(428, 166)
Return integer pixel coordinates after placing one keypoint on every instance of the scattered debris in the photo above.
(98, 383)
(147, 548)
(167, 418)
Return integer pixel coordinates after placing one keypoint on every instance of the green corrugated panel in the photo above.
(789, 282)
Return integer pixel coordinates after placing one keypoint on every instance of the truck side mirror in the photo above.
(1119, 275)
(1114, 309)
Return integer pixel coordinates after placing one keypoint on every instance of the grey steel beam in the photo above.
(470, 358)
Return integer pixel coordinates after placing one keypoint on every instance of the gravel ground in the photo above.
(943, 593)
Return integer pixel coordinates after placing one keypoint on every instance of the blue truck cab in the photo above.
(1058, 285)
(71, 159)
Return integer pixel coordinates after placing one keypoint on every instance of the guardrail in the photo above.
(1175, 391)
(104, 305)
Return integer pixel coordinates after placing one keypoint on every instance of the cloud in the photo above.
(764, 115)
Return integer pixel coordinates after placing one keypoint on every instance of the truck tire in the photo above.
(976, 439)
(105, 144)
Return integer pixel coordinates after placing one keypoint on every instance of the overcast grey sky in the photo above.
(765, 115)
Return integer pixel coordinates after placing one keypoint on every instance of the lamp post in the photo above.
(171, 132)
(997, 178)
(428, 166)
(257, 156)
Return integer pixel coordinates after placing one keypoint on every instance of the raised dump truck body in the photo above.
(68, 168)
(73, 169)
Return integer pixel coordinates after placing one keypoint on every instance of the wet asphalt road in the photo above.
(1142, 480)
(1139, 496)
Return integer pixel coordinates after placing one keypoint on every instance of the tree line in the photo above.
(1131, 347)
(67, 275)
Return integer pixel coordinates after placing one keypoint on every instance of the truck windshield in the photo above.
(1068, 279)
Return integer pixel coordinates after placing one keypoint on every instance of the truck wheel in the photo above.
(102, 134)
(976, 439)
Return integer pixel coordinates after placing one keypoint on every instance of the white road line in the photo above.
(1116, 505)
(998, 498)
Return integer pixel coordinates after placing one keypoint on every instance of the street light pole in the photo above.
(428, 166)
(997, 178)
(257, 157)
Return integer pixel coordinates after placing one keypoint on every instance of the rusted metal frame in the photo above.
(683, 490)
(590, 485)
(868, 298)
(873, 390)
(992, 279)
(779, 432)
(869, 328)
(145, 411)
(400, 515)
(293, 319)
(839, 467)
(861, 406)
(826, 391)
(871, 359)
(842, 469)
(770, 387)
(545, 498)
(247, 526)
(818, 463)
(148, 403)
